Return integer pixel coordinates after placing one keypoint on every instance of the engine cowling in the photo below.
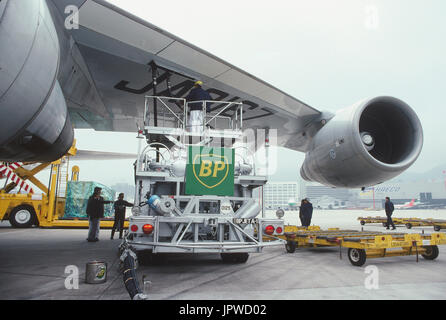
(365, 144)
(34, 120)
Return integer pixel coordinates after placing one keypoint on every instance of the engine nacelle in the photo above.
(365, 144)
(34, 120)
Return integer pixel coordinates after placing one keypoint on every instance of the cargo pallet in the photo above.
(408, 222)
(365, 244)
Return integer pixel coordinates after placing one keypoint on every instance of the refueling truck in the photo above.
(195, 182)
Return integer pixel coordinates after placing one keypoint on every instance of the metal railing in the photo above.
(234, 121)
(165, 114)
(159, 112)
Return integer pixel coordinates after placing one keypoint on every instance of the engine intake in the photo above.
(393, 129)
(365, 144)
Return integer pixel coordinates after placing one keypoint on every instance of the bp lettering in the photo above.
(210, 171)
(208, 167)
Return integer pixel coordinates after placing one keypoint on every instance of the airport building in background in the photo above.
(428, 194)
(278, 194)
(324, 197)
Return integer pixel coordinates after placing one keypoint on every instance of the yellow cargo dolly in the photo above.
(47, 209)
(365, 244)
(438, 224)
(408, 222)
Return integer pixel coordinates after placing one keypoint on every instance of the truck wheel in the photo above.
(22, 216)
(362, 222)
(431, 252)
(159, 259)
(437, 228)
(357, 257)
(409, 225)
(239, 257)
(145, 257)
(290, 246)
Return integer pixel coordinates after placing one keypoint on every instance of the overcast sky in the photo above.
(329, 54)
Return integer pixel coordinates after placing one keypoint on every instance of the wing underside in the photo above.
(113, 63)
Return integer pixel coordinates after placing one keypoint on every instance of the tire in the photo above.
(431, 252)
(357, 257)
(437, 228)
(145, 257)
(22, 216)
(239, 257)
(290, 246)
(159, 259)
(409, 225)
(362, 222)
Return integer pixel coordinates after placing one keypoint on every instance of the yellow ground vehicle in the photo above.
(46, 209)
(408, 222)
(365, 244)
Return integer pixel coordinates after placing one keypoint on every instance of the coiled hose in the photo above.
(129, 264)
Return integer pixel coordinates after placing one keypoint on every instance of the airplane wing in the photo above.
(114, 53)
(102, 155)
(91, 64)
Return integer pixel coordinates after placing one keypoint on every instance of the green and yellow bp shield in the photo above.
(210, 171)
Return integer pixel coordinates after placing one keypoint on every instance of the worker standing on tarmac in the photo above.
(388, 206)
(307, 212)
(196, 116)
(95, 211)
(301, 210)
(119, 207)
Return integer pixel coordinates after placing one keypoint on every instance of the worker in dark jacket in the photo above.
(389, 210)
(95, 211)
(307, 212)
(301, 210)
(119, 207)
(197, 93)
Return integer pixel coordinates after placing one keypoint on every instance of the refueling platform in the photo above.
(195, 180)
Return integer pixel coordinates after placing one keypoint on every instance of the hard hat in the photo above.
(198, 83)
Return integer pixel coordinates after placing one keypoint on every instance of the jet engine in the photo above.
(365, 144)
(34, 121)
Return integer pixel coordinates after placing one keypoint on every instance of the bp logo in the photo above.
(210, 171)
(100, 272)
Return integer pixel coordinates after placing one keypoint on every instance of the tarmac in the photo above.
(33, 266)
